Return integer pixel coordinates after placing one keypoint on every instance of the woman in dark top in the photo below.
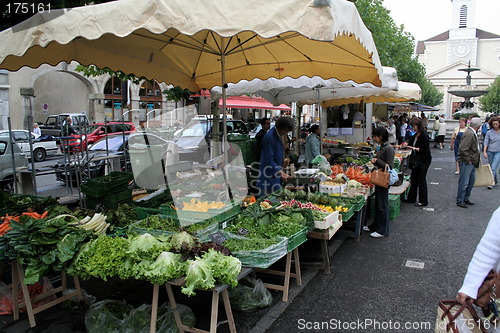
(384, 156)
(418, 179)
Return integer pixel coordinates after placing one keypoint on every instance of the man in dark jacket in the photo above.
(397, 122)
(468, 158)
(266, 124)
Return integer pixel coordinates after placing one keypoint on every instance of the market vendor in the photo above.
(271, 158)
(312, 147)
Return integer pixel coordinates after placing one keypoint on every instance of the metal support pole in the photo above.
(12, 143)
(30, 136)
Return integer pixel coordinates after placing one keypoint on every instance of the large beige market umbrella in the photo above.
(193, 43)
(201, 43)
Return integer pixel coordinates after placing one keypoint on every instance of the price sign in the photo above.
(218, 237)
(243, 231)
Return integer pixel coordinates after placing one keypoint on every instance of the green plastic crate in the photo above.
(219, 215)
(92, 202)
(143, 212)
(394, 214)
(98, 193)
(349, 214)
(394, 201)
(357, 202)
(297, 239)
(120, 178)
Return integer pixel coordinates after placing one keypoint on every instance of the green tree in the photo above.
(93, 71)
(430, 95)
(395, 47)
(491, 101)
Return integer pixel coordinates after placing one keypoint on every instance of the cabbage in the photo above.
(340, 176)
(224, 268)
(353, 183)
(167, 266)
(182, 241)
(146, 246)
(199, 276)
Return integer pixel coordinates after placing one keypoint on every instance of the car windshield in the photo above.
(195, 129)
(114, 143)
(89, 129)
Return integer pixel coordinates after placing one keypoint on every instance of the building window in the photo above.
(150, 103)
(463, 17)
(113, 100)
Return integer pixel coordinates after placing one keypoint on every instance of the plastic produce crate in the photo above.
(143, 212)
(113, 179)
(347, 215)
(219, 215)
(328, 221)
(297, 239)
(99, 193)
(265, 257)
(357, 202)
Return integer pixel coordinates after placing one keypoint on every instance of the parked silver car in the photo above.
(6, 170)
(41, 147)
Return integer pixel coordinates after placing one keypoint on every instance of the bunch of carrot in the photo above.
(6, 220)
(5, 226)
(336, 169)
(358, 174)
(36, 215)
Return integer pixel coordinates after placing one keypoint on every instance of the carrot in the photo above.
(44, 215)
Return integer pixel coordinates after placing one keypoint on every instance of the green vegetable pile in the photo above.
(20, 202)
(155, 222)
(249, 244)
(121, 216)
(211, 268)
(41, 246)
(153, 259)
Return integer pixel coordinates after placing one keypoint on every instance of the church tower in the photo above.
(462, 42)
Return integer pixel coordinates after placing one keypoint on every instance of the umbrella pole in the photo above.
(224, 130)
(320, 121)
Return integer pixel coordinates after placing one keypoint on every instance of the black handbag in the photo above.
(414, 161)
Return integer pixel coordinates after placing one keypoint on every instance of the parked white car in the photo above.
(6, 170)
(41, 148)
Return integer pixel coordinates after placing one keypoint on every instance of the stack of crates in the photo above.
(109, 194)
(394, 206)
(246, 145)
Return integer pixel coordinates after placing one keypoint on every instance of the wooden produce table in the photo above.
(18, 279)
(324, 236)
(292, 255)
(220, 289)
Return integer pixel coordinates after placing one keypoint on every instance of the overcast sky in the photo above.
(427, 18)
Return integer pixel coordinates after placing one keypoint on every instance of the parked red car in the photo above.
(95, 132)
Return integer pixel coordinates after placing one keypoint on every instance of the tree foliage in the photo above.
(430, 94)
(395, 47)
(491, 101)
(93, 71)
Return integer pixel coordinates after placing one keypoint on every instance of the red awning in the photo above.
(244, 102)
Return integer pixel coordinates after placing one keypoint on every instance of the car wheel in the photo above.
(39, 154)
(8, 186)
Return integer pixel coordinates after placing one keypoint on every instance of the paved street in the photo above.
(369, 284)
(370, 280)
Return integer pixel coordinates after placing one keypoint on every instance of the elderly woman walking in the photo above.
(491, 149)
(441, 133)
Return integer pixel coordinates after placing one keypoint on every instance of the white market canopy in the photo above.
(193, 44)
(332, 92)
